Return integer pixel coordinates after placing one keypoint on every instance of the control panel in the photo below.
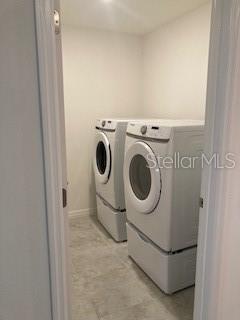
(151, 131)
(106, 124)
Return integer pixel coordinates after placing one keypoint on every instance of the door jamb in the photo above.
(51, 130)
(222, 103)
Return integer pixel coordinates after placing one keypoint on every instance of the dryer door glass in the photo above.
(140, 177)
(101, 157)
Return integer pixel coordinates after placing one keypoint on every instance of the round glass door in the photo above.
(143, 177)
(140, 177)
(101, 157)
(102, 163)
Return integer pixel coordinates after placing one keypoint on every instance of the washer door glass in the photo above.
(142, 177)
(102, 163)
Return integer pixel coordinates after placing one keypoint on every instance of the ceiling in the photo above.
(131, 16)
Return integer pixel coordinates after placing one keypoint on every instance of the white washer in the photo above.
(162, 201)
(108, 169)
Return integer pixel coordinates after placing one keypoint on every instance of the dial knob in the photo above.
(103, 123)
(144, 129)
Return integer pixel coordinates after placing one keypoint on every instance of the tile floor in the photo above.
(108, 285)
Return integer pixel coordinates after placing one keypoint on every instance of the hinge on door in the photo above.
(201, 202)
(64, 197)
(57, 22)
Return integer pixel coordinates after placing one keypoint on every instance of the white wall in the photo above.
(175, 67)
(102, 78)
(24, 261)
(108, 74)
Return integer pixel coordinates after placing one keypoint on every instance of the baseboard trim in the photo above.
(82, 212)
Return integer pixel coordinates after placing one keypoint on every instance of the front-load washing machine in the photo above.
(162, 175)
(108, 169)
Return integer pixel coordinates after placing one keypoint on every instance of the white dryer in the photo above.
(108, 169)
(162, 174)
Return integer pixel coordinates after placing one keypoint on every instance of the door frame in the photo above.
(52, 111)
(51, 123)
(216, 266)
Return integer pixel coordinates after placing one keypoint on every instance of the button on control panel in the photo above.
(144, 129)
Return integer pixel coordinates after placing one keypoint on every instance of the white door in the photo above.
(142, 177)
(24, 253)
